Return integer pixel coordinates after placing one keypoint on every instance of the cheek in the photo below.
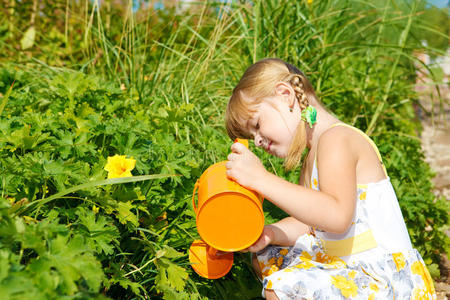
(293, 125)
(287, 126)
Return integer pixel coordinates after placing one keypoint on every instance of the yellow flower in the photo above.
(272, 270)
(347, 287)
(284, 251)
(419, 268)
(420, 294)
(362, 196)
(269, 285)
(323, 258)
(306, 255)
(315, 182)
(119, 166)
(279, 261)
(310, 1)
(271, 260)
(352, 274)
(374, 287)
(399, 260)
(331, 262)
(306, 264)
(95, 209)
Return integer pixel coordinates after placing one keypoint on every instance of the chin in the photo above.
(284, 153)
(281, 154)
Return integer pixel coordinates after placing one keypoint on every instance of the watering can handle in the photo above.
(193, 196)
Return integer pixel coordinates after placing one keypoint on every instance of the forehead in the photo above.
(240, 110)
(246, 119)
(257, 105)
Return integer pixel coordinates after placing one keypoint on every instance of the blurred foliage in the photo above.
(438, 20)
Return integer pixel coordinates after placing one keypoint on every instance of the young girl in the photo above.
(345, 237)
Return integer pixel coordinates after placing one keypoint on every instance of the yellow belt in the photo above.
(349, 246)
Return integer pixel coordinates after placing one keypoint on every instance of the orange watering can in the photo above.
(229, 218)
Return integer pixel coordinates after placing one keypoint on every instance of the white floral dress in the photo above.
(374, 259)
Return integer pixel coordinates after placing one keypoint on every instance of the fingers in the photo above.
(255, 247)
(238, 148)
(232, 156)
(262, 242)
(249, 249)
(228, 166)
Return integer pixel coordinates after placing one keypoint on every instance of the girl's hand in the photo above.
(266, 238)
(244, 167)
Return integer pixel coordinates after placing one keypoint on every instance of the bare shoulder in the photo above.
(338, 139)
(343, 146)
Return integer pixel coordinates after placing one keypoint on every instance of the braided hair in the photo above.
(298, 144)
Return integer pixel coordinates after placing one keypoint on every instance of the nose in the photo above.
(258, 140)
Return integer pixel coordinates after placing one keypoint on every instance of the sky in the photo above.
(439, 3)
(160, 3)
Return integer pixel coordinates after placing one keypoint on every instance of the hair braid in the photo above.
(298, 144)
(297, 85)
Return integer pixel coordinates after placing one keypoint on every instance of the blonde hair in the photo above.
(258, 82)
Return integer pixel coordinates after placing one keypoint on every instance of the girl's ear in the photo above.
(286, 92)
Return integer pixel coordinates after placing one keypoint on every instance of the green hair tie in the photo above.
(309, 115)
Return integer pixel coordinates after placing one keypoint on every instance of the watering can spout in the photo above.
(229, 218)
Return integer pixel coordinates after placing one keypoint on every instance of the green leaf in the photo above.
(73, 260)
(27, 40)
(125, 215)
(5, 99)
(171, 252)
(434, 270)
(177, 276)
(170, 274)
(101, 233)
(4, 264)
(135, 286)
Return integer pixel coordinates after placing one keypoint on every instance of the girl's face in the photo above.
(273, 125)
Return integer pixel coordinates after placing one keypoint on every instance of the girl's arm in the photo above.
(282, 233)
(330, 209)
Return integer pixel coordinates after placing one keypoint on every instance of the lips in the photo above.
(268, 147)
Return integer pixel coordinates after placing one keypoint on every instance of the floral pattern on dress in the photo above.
(305, 271)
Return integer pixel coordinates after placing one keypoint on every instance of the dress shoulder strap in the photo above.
(368, 140)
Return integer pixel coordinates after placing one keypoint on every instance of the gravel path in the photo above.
(436, 146)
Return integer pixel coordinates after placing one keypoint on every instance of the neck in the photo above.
(324, 121)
